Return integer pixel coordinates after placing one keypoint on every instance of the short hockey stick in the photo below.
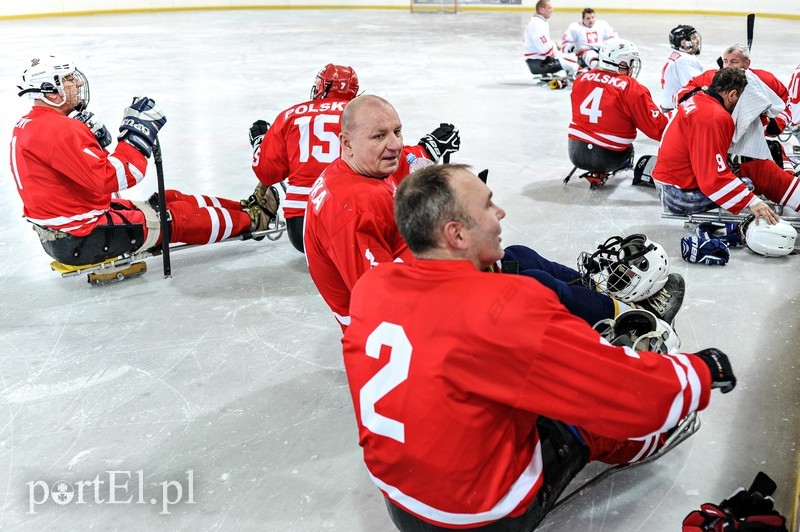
(751, 23)
(162, 211)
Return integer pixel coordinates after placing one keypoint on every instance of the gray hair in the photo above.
(424, 202)
(738, 48)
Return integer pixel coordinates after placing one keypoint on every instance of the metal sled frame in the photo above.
(691, 221)
(686, 428)
(132, 264)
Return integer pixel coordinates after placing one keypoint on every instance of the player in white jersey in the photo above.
(541, 52)
(682, 64)
(585, 38)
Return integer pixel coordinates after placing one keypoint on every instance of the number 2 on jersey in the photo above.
(386, 379)
(324, 146)
(590, 106)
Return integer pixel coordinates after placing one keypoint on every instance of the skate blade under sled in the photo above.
(553, 81)
(132, 265)
(688, 426)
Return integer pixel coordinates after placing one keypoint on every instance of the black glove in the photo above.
(722, 376)
(442, 141)
(96, 125)
(141, 124)
(257, 132)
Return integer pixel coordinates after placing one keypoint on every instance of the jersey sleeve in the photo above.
(271, 160)
(561, 368)
(708, 153)
(80, 158)
(646, 115)
(694, 84)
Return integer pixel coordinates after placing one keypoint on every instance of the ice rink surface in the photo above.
(228, 378)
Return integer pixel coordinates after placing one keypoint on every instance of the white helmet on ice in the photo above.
(47, 76)
(617, 54)
(629, 269)
(640, 330)
(770, 240)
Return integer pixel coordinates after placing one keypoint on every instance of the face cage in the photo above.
(611, 273)
(695, 42)
(662, 342)
(58, 88)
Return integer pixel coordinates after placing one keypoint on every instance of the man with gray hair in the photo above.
(457, 374)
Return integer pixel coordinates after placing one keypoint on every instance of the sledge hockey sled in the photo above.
(554, 81)
(132, 265)
(682, 432)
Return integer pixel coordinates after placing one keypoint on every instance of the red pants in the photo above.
(772, 182)
(204, 219)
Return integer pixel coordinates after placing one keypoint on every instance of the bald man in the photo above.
(350, 225)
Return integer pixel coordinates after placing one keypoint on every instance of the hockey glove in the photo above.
(568, 47)
(141, 124)
(728, 232)
(257, 132)
(96, 125)
(441, 141)
(711, 251)
(722, 376)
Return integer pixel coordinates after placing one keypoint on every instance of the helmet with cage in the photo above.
(50, 75)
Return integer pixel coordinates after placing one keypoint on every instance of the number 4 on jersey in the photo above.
(590, 106)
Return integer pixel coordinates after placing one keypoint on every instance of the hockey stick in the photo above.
(162, 211)
(751, 22)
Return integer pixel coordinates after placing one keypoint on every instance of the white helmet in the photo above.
(640, 330)
(770, 240)
(616, 54)
(46, 76)
(629, 269)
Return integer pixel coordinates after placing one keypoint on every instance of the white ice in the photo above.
(232, 368)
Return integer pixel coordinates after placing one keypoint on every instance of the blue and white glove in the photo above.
(141, 124)
(95, 124)
(728, 232)
(709, 251)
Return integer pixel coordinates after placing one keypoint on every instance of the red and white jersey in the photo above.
(677, 71)
(536, 41)
(794, 98)
(449, 369)
(586, 38)
(694, 153)
(608, 108)
(703, 80)
(301, 142)
(350, 228)
(64, 177)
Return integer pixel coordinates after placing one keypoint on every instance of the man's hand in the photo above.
(762, 210)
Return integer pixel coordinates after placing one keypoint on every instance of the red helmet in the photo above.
(335, 80)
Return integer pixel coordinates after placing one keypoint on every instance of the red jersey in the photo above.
(704, 80)
(449, 369)
(694, 153)
(608, 108)
(349, 228)
(64, 177)
(301, 142)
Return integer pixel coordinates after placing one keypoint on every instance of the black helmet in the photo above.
(685, 38)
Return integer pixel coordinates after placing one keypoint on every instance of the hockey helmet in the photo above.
(335, 81)
(616, 54)
(686, 39)
(47, 76)
(628, 269)
(770, 240)
(640, 330)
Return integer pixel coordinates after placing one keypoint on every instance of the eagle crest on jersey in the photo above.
(685, 38)
(335, 81)
(47, 75)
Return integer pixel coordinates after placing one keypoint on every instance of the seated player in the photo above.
(478, 397)
(585, 38)
(541, 53)
(608, 106)
(682, 64)
(67, 180)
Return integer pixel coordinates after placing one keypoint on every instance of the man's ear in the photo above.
(453, 233)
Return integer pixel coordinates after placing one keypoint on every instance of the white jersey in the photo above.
(585, 38)
(794, 98)
(678, 70)
(536, 41)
